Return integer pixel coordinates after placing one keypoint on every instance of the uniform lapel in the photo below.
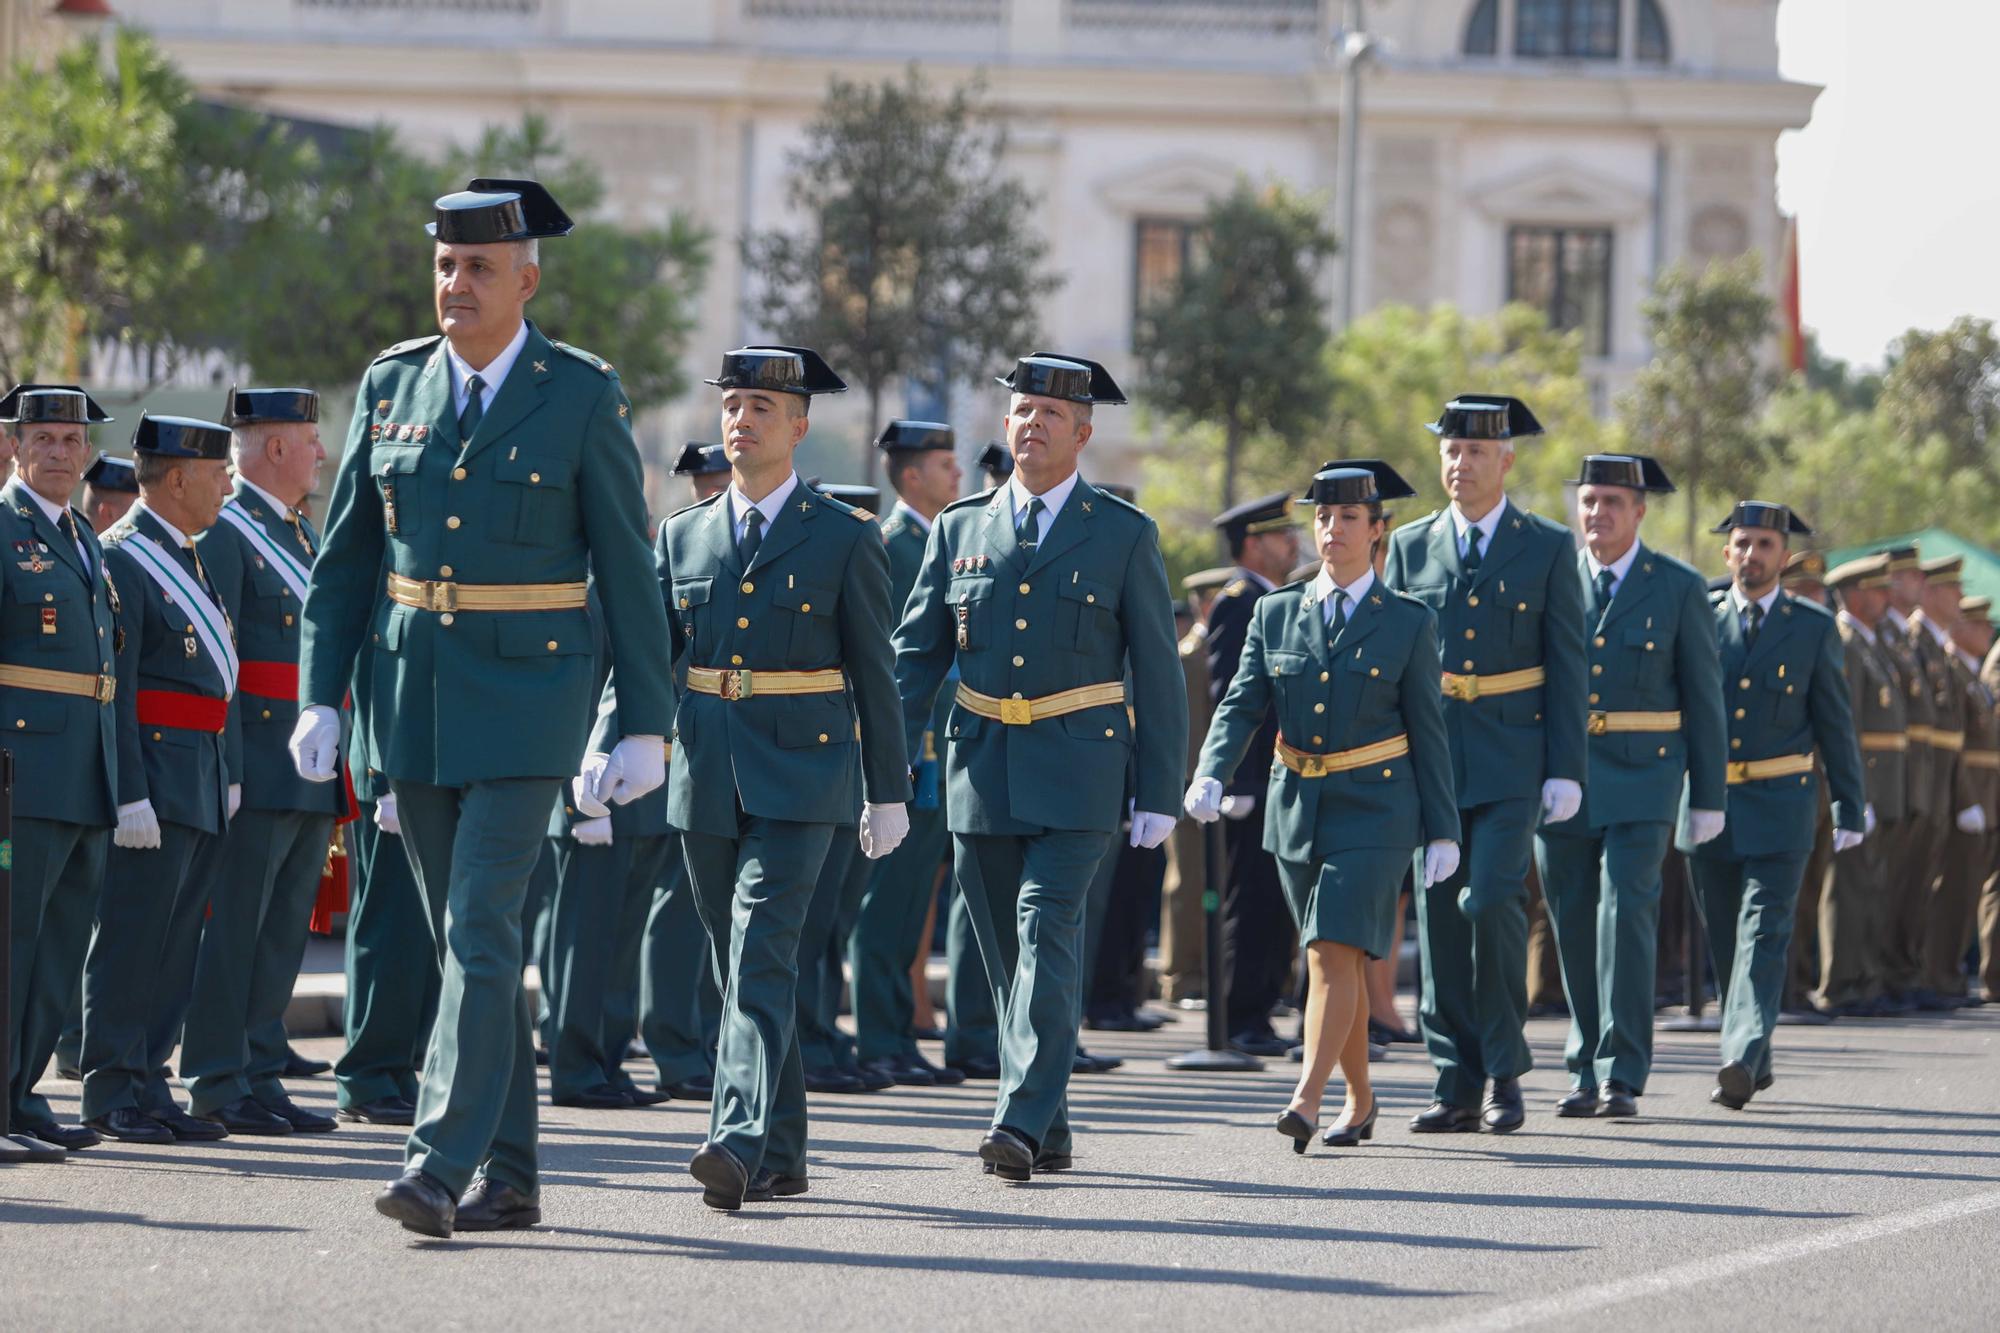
(431, 404)
(519, 395)
(1632, 591)
(718, 529)
(1729, 635)
(1363, 619)
(1777, 625)
(1313, 626)
(788, 529)
(1444, 545)
(51, 536)
(1506, 544)
(1000, 536)
(1068, 528)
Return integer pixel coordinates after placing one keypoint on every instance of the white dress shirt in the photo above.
(1486, 525)
(1619, 568)
(492, 374)
(1740, 606)
(770, 506)
(1052, 502)
(1324, 589)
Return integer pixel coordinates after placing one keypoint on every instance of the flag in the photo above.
(1791, 334)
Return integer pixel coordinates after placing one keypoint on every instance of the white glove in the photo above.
(883, 828)
(235, 798)
(1868, 818)
(138, 827)
(1149, 830)
(1440, 861)
(640, 763)
(1203, 801)
(1972, 819)
(1703, 825)
(1561, 799)
(594, 832)
(315, 743)
(1846, 839)
(584, 786)
(1238, 807)
(386, 817)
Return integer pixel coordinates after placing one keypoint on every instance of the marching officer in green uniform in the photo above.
(1655, 723)
(923, 469)
(1515, 681)
(259, 557)
(1041, 592)
(486, 473)
(60, 641)
(1786, 695)
(778, 598)
(110, 487)
(177, 674)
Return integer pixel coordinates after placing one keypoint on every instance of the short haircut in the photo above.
(153, 470)
(898, 465)
(530, 252)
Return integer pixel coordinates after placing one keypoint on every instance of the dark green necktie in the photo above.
(475, 408)
(1753, 620)
(1472, 537)
(1339, 621)
(1604, 581)
(753, 537)
(1028, 531)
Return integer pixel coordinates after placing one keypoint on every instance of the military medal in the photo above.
(964, 625)
(382, 407)
(48, 620)
(189, 643)
(389, 506)
(422, 431)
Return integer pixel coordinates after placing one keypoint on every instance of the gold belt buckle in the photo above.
(1017, 712)
(440, 596)
(1463, 688)
(1312, 766)
(734, 685)
(1600, 724)
(1739, 770)
(107, 689)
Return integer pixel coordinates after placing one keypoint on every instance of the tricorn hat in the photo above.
(1356, 481)
(776, 369)
(1056, 375)
(700, 460)
(1763, 514)
(108, 472)
(11, 409)
(490, 209)
(1485, 416)
(905, 436)
(250, 406)
(996, 462)
(1637, 471)
(180, 437)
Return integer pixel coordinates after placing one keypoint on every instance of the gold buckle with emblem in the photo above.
(1599, 725)
(107, 689)
(734, 685)
(1463, 688)
(1017, 712)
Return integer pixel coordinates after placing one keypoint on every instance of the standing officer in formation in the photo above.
(1964, 815)
(778, 598)
(1969, 853)
(258, 558)
(1787, 699)
(486, 473)
(60, 649)
(177, 675)
(1510, 619)
(110, 487)
(1655, 721)
(1926, 819)
(1041, 593)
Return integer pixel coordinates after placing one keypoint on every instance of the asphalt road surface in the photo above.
(1862, 1192)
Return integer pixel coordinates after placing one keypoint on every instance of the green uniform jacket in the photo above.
(266, 617)
(184, 773)
(1380, 681)
(815, 597)
(1521, 608)
(1881, 708)
(548, 486)
(1653, 652)
(1786, 695)
(1025, 625)
(57, 615)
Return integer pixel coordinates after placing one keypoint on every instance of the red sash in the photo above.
(186, 712)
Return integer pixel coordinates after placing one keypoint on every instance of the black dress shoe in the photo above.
(1268, 1044)
(194, 1129)
(941, 1076)
(302, 1120)
(1734, 1086)
(603, 1097)
(1618, 1102)
(833, 1080)
(1384, 1035)
(128, 1125)
(697, 1089)
(976, 1066)
(767, 1185)
(872, 1080)
(1351, 1135)
(927, 1034)
(299, 1066)
(1086, 1063)
(1502, 1112)
(381, 1111)
(896, 1071)
(1579, 1103)
(723, 1179)
(494, 1205)
(1008, 1153)
(1298, 1129)
(70, 1138)
(1044, 1161)
(420, 1203)
(1765, 1082)
(639, 1096)
(246, 1115)
(1115, 1022)
(542, 1056)
(1444, 1118)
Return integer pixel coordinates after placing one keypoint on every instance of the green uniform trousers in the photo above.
(58, 867)
(887, 934)
(251, 947)
(1027, 896)
(476, 846)
(1747, 907)
(1474, 933)
(1603, 892)
(1853, 913)
(537, 915)
(753, 892)
(680, 992)
(972, 1025)
(393, 974)
(823, 944)
(595, 924)
(140, 968)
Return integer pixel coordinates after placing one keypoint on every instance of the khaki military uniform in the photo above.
(1853, 911)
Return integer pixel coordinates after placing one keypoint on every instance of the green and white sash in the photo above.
(291, 569)
(211, 626)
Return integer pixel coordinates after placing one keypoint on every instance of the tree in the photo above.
(916, 257)
(1946, 384)
(1695, 405)
(1241, 339)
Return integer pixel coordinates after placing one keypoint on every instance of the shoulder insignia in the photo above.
(1235, 588)
(1120, 502)
(861, 513)
(590, 359)
(970, 501)
(409, 345)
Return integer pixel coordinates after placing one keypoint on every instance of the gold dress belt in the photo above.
(1603, 724)
(426, 595)
(1756, 770)
(1307, 764)
(734, 684)
(82, 684)
(1022, 712)
(1980, 758)
(1468, 688)
(1884, 742)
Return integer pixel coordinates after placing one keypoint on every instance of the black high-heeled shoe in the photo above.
(1296, 1128)
(1353, 1134)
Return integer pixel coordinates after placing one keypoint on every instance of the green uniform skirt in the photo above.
(1349, 898)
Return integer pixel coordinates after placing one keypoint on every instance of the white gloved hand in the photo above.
(588, 781)
(315, 743)
(1203, 801)
(1846, 839)
(1149, 830)
(1703, 826)
(1972, 820)
(1561, 799)
(1238, 807)
(594, 832)
(1440, 861)
(386, 818)
(883, 828)
(235, 798)
(1868, 818)
(640, 766)
(138, 827)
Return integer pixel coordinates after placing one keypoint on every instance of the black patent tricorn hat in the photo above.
(1357, 481)
(181, 437)
(1763, 514)
(778, 369)
(10, 405)
(906, 436)
(701, 460)
(1636, 471)
(250, 406)
(1056, 375)
(1485, 416)
(491, 209)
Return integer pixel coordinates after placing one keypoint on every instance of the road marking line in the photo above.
(1581, 1300)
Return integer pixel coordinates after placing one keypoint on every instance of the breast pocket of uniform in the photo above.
(40, 606)
(537, 505)
(1379, 677)
(971, 610)
(810, 611)
(276, 607)
(1649, 656)
(1086, 615)
(1524, 611)
(691, 609)
(1784, 690)
(400, 488)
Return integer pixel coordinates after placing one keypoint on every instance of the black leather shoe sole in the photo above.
(518, 1218)
(1617, 1106)
(776, 1187)
(1580, 1104)
(402, 1203)
(192, 1129)
(721, 1177)
(131, 1129)
(300, 1067)
(977, 1068)
(1733, 1080)
(594, 1099)
(690, 1091)
(1460, 1121)
(1502, 1119)
(374, 1113)
(71, 1138)
(1010, 1158)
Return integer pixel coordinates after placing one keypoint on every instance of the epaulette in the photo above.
(1122, 503)
(855, 512)
(408, 345)
(705, 500)
(1235, 587)
(971, 501)
(591, 359)
(1717, 596)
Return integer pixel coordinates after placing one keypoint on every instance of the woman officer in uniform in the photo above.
(1361, 779)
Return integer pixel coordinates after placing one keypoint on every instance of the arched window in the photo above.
(1653, 47)
(1482, 30)
(1566, 29)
